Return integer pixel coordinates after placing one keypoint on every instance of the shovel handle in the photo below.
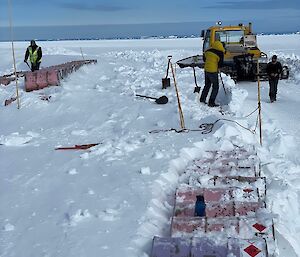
(169, 61)
(222, 83)
(195, 78)
(146, 96)
(28, 65)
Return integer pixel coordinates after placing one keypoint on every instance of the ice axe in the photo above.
(161, 100)
(166, 81)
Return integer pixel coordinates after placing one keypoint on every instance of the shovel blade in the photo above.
(166, 83)
(162, 100)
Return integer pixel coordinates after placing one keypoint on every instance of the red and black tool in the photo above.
(77, 147)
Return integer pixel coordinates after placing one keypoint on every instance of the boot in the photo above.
(210, 104)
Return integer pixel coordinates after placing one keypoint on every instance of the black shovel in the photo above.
(197, 88)
(166, 81)
(161, 100)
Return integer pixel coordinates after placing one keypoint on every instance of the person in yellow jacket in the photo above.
(34, 52)
(213, 58)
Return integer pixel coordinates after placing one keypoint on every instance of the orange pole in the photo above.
(259, 104)
(181, 117)
(13, 52)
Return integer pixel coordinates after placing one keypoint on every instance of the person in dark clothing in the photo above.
(34, 52)
(213, 58)
(274, 69)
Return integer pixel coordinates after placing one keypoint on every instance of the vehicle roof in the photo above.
(227, 28)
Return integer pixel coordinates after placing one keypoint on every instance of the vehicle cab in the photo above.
(237, 40)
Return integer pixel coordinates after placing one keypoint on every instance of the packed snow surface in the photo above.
(112, 199)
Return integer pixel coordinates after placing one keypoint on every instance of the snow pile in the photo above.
(15, 139)
(292, 61)
(9, 227)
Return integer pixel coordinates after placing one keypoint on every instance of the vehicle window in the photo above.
(206, 40)
(230, 36)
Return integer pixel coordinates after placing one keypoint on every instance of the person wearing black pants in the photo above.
(35, 66)
(211, 79)
(34, 52)
(213, 58)
(274, 69)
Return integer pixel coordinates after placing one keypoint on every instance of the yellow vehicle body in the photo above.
(243, 60)
(237, 40)
(242, 52)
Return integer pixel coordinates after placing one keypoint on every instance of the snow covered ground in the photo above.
(111, 200)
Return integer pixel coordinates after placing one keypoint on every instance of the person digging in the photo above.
(213, 58)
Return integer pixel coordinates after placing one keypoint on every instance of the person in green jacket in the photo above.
(34, 52)
(213, 58)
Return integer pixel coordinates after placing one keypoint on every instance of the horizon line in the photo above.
(147, 37)
(112, 24)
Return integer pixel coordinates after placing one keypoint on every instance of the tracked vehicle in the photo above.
(242, 53)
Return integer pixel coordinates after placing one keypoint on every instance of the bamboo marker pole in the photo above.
(259, 104)
(182, 125)
(13, 51)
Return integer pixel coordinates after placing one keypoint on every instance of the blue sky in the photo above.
(276, 15)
